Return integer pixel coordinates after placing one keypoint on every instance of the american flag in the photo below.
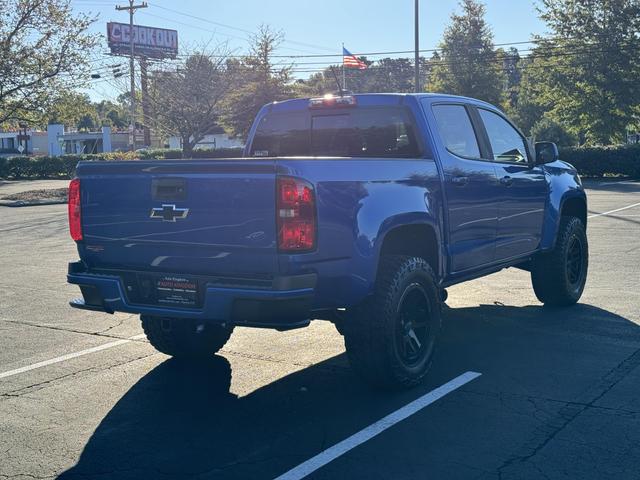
(349, 60)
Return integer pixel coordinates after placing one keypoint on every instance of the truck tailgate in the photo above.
(206, 217)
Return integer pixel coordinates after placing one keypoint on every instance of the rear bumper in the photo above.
(285, 305)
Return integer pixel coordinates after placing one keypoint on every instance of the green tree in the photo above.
(384, 75)
(88, 122)
(467, 64)
(188, 101)
(113, 114)
(589, 70)
(393, 75)
(256, 80)
(511, 65)
(71, 109)
(43, 51)
(317, 84)
(529, 107)
(548, 130)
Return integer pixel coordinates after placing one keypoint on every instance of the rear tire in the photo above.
(184, 338)
(559, 276)
(390, 338)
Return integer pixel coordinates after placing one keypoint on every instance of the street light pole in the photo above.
(417, 46)
(132, 121)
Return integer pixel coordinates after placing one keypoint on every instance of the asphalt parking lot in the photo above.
(82, 395)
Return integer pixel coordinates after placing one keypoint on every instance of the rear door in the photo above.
(470, 187)
(523, 189)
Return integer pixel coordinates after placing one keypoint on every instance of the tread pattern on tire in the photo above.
(369, 337)
(548, 274)
(184, 338)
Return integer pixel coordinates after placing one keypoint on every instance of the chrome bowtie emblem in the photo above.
(169, 213)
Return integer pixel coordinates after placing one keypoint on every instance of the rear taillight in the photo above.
(296, 210)
(75, 213)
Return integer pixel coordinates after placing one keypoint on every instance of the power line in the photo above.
(215, 32)
(555, 52)
(231, 27)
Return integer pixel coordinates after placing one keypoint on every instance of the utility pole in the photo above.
(417, 46)
(144, 88)
(132, 124)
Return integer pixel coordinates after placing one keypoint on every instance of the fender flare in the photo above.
(554, 213)
(396, 222)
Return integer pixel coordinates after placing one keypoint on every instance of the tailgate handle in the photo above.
(169, 189)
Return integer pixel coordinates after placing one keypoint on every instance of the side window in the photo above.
(456, 130)
(507, 144)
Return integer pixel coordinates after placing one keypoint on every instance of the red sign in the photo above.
(147, 41)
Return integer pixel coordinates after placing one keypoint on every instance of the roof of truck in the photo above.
(374, 99)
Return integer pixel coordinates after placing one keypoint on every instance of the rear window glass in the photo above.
(361, 132)
(456, 130)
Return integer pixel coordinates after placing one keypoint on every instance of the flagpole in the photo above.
(344, 76)
(417, 46)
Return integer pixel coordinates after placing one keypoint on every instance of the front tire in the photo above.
(184, 338)
(390, 338)
(559, 276)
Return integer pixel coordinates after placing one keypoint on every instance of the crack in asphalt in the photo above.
(27, 475)
(119, 324)
(18, 226)
(22, 391)
(502, 395)
(101, 333)
(566, 415)
(266, 358)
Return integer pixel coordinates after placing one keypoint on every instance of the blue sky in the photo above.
(313, 27)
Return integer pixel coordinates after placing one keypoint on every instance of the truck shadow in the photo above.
(182, 421)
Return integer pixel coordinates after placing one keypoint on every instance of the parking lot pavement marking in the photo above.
(69, 356)
(614, 211)
(376, 428)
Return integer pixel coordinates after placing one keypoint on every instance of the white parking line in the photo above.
(69, 356)
(614, 211)
(374, 429)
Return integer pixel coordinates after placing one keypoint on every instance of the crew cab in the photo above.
(357, 209)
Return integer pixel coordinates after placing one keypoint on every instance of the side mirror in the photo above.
(546, 152)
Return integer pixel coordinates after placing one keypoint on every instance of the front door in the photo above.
(523, 188)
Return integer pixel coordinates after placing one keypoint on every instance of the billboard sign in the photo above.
(147, 41)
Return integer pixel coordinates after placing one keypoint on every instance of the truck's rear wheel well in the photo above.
(415, 241)
(575, 207)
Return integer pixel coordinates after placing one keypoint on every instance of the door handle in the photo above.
(460, 181)
(506, 181)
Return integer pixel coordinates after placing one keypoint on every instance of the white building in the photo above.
(58, 141)
(210, 142)
(61, 142)
(9, 143)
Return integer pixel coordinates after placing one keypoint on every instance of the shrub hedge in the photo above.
(64, 166)
(590, 161)
(621, 160)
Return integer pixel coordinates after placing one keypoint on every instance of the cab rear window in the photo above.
(358, 132)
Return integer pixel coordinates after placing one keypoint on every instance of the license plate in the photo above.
(177, 291)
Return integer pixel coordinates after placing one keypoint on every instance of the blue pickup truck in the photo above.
(357, 209)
